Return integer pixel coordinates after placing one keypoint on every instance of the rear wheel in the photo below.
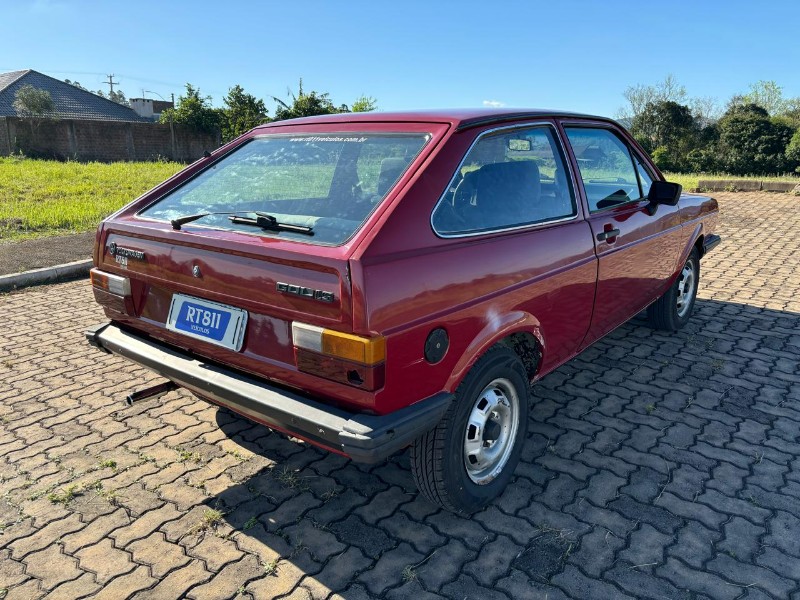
(470, 456)
(673, 310)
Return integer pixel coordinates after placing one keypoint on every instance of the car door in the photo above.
(637, 248)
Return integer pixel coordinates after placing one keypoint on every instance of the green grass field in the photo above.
(689, 181)
(42, 197)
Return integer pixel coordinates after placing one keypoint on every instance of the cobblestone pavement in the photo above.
(657, 466)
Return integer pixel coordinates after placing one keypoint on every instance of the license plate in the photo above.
(211, 322)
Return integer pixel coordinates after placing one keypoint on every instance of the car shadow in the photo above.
(608, 433)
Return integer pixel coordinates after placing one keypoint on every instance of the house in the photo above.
(70, 102)
(150, 109)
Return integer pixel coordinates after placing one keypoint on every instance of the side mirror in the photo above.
(663, 192)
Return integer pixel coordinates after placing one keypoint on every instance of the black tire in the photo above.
(439, 458)
(666, 313)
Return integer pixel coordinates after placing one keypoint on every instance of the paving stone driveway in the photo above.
(657, 466)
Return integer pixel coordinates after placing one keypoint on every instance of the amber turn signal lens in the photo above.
(367, 351)
(355, 348)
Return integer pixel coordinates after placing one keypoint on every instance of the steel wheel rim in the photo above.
(491, 430)
(686, 285)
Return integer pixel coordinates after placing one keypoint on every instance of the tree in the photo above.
(640, 95)
(242, 112)
(33, 102)
(364, 104)
(118, 97)
(76, 84)
(768, 95)
(706, 110)
(667, 130)
(193, 110)
(750, 143)
(306, 105)
(793, 152)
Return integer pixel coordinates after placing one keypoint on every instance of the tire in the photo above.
(674, 309)
(470, 456)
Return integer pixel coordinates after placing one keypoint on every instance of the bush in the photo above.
(664, 160)
(701, 160)
(793, 152)
(750, 143)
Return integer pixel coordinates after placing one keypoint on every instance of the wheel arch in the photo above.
(518, 330)
(695, 240)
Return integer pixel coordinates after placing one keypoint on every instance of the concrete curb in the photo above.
(15, 281)
(747, 185)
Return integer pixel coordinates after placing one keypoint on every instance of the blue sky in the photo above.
(568, 54)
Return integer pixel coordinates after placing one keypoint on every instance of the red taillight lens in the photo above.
(344, 357)
(112, 291)
(113, 284)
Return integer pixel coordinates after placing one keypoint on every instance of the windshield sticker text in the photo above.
(327, 138)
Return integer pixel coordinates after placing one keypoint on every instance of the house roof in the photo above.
(70, 102)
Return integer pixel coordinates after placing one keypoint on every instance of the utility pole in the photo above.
(111, 83)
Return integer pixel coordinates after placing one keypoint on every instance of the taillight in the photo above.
(113, 284)
(366, 351)
(112, 291)
(344, 357)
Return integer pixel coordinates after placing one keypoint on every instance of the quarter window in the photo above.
(509, 178)
(645, 179)
(608, 174)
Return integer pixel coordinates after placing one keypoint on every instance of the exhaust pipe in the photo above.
(155, 391)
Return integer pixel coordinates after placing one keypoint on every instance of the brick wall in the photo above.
(104, 141)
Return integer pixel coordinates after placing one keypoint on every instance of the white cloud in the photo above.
(493, 103)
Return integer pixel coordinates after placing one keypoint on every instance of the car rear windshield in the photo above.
(327, 182)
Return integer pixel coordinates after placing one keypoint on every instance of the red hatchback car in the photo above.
(367, 282)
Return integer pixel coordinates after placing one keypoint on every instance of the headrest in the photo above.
(511, 180)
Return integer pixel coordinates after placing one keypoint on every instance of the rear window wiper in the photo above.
(177, 223)
(263, 220)
(270, 223)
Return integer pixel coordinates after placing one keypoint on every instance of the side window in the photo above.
(607, 171)
(509, 178)
(645, 179)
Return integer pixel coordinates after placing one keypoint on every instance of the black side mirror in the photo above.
(663, 192)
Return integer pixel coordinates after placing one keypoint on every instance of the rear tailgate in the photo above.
(275, 282)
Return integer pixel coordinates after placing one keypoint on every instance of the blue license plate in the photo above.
(205, 320)
(202, 320)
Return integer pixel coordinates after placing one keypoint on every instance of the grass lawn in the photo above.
(44, 197)
(689, 181)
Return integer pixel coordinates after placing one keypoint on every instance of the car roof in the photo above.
(459, 118)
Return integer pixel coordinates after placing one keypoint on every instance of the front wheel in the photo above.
(673, 310)
(470, 456)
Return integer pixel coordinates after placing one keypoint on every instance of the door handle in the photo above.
(606, 235)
